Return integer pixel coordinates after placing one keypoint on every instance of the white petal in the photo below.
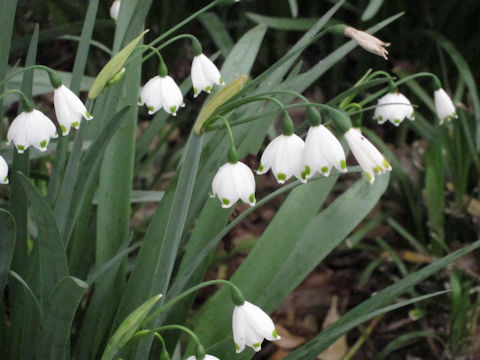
(115, 10)
(199, 79)
(239, 328)
(444, 106)
(171, 95)
(151, 95)
(268, 156)
(3, 171)
(260, 321)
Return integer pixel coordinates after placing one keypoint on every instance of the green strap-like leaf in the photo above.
(57, 320)
(53, 260)
(7, 245)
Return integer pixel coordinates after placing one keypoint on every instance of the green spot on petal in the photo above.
(324, 169)
(150, 108)
(251, 198)
(308, 171)
(6, 179)
(396, 121)
(87, 114)
(43, 143)
(275, 333)
(281, 176)
(208, 88)
(21, 147)
(256, 345)
(75, 124)
(221, 80)
(377, 169)
(380, 118)
(386, 164)
(260, 168)
(369, 176)
(173, 109)
(237, 347)
(343, 164)
(225, 201)
(64, 129)
(139, 100)
(195, 92)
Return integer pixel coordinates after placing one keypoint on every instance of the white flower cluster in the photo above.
(289, 155)
(162, 91)
(34, 128)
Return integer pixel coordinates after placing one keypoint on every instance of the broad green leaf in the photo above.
(113, 67)
(372, 9)
(128, 327)
(373, 305)
(283, 23)
(7, 245)
(280, 264)
(57, 320)
(53, 260)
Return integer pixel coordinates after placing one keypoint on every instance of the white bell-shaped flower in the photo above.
(444, 106)
(161, 92)
(31, 128)
(394, 107)
(115, 10)
(207, 357)
(284, 155)
(234, 181)
(322, 152)
(369, 158)
(3, 171)
(204, 75)
(69, 109)
(250, 326)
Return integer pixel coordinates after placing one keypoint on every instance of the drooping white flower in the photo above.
(69, 109)
(322, 152)
(367, 41)
(394, 107)
(161, 92)
(3, 171)
(284, 155)
(115, 10)
(204, 75)
(31, 128)
(250, 326)
(444, 106)
(233, 182)
(207, 357)
(369, 158)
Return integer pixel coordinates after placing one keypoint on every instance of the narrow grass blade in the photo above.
(57, 320)
(217, 32)
(283, 23)
(372, 9)
(370, 308)
(7, 18)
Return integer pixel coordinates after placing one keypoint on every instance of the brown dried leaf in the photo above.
(288, 341)
(339, 348)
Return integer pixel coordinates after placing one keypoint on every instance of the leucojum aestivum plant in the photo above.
(75, 284)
